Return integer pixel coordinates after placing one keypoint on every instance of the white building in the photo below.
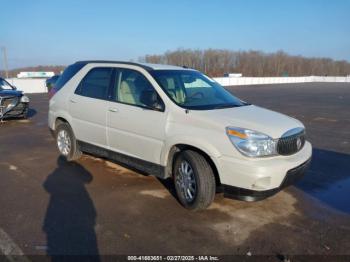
(35, 74)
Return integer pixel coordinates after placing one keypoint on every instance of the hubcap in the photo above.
(63, 142)
(186, 182)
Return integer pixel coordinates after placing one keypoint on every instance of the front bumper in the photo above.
(252, 195)
(260, 176)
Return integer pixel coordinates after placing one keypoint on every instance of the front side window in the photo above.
(133, 88)
(4, 85)
(192, 90)
(96, 83)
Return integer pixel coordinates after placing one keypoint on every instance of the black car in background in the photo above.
(51, 81)
(13, 103)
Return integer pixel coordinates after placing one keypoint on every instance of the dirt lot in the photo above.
(49, 206)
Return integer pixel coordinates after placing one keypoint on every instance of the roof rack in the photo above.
(147, 68)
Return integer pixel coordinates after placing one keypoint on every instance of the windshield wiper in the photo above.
(225, 106)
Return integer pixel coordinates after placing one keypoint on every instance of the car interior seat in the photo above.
(126, 92)
(174, 90)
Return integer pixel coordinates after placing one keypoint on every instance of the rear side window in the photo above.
(96, 83)
(68, 73)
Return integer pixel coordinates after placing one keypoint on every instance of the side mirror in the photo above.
(151, 99)
(14, 88)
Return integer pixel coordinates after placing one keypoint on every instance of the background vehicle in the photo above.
(176, 122)
(51, 81)
(12, 102)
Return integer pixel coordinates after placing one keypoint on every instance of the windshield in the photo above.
(4, 85)
(192, 90)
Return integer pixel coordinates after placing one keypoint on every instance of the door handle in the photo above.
(113, 109)
(72, 101)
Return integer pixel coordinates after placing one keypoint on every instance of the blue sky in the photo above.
(63, 31)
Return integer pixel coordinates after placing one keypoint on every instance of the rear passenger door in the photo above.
(133, 128)
(88, 106)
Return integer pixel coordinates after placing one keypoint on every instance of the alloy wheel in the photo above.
(186, 181)
(64, 142)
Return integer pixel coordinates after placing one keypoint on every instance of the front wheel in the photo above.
(194, 180)
(66, 142)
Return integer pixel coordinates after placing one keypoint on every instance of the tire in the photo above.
(65, 133)
(201, 178)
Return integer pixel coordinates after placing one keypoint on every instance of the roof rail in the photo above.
(147, 68)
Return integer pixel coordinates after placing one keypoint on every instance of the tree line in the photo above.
(41, 68)
(217, 62)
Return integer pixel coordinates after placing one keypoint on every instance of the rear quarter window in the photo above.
(68, 73)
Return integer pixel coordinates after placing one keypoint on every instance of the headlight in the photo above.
(24, 99)
(12, 104)
(252, 143)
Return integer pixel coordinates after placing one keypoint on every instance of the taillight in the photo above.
(52, 92)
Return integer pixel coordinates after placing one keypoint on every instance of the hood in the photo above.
(252, 117)
(10, 93)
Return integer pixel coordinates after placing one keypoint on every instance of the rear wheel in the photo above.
(66, 142)
(194, 180)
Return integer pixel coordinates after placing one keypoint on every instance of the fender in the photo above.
(64, 115)
(206, 147)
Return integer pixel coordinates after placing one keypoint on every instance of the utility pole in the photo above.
(5, 61)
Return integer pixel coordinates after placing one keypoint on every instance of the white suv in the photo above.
(175, 122)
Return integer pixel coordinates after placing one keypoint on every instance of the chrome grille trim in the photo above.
(291, 142)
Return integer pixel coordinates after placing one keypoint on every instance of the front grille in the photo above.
(288, 145)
